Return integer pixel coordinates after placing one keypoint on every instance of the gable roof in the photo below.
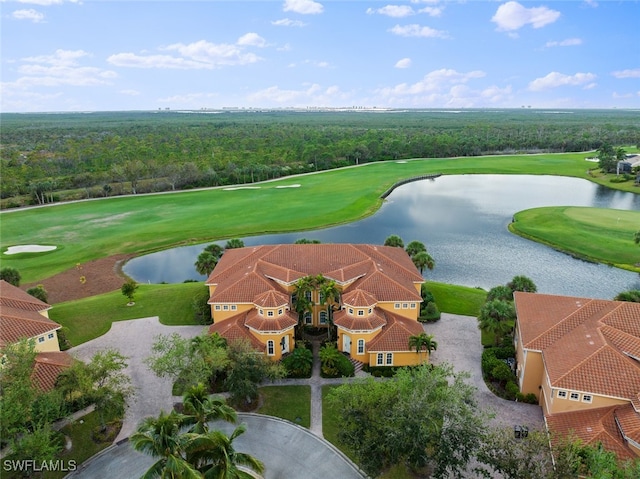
(395, 335)
(48, 367)
(588, 345)
(20, 315)
(233, 329)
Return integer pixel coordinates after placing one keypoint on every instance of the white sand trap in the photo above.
(288, 186)
(401, 161)
(242, 188)
(29, 248)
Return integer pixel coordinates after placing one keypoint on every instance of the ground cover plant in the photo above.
(90, 230)
(596, 234)
(88, 318)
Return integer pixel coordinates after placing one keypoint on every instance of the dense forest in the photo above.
(64, 156)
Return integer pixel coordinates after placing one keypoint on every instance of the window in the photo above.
(270, 313)
(361, 312)
(389, 359)
(307, 295)
(587, 398)
(294, 298)
(562, 394)
(396, 306)
(351, 311)
(234, 307)
(307, 318)
(280, 311)
(261, 312)
(41, 339)
(574, 396)
(360, 346)
(225, 307)
(217, 307)
(323, 317)
(413, 305)
(370, 310)
(380, 359)
(321, 297)
(270, 348)
(50, 336)
(405, 306)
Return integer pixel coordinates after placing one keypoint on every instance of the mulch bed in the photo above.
(100, 276)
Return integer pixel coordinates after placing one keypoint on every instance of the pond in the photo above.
(462, 219)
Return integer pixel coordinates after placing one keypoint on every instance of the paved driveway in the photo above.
(458, 339)
(134, 339)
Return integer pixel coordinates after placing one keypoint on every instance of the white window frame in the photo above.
(351, 311)
(217, 307)
(361, 312)
(280, 311)
(308, 318)
(413, 305)
(574, 397)
(271, 348)
(562, 394)
(380, 359)
(324, 317)
(360, 346)
(370, 310)
(396, 306)
(234, 307)
(389, 359)
(587, 398)
(41, 339)
(270, 313)
(261, 312)
(50, 335)
(225, 307)
(405, 305)
(308, 296)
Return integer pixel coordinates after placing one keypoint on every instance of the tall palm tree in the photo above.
(415, 247)
(496, 317)
(423, 340)
(215, 457)
(301, 303)
(394, 240)
(200, 409)
(330, 293)
(423, 260)
(205, 263)
(234, 243)
(162, 438)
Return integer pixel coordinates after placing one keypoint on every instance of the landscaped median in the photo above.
(593, 234)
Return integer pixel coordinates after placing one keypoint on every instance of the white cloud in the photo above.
(252, 39)
(304, 7)
(29, 14)
(129, 92)
(569, 42)
(287, 22)
(403, 63)
(311, 94)
(435, 81)
(556, 79)
(633, 73)
(193, 100)
(415, 30)
(512, 16)
(432, 11)
(395, 11)
(193, 56)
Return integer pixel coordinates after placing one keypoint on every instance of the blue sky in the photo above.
(61, 55)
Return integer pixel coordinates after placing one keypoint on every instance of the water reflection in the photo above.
(463, 221)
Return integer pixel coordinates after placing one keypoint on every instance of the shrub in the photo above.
(512, 390)
(430, 313)
(502, 372)
(345, 367)
(299, 363)
(39, 292)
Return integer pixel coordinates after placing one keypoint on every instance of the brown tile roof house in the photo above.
(583, 356)
(23, 316)
(258, 282)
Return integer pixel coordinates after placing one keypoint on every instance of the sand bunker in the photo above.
(401, 161)
(29, 248)
(242, 188)
(288, 186)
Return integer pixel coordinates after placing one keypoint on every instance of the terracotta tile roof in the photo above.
(359, 323)
(14, 297)
(264, 323)
(233, 329)
(16, 324)
(591, 426)
(48, 367)
(586, 344)
(395, 335)
(358, 298)
(628, 419)
(271, 299)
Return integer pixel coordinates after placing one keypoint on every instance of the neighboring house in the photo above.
(252, 297)
(581, 358)
(24, 317)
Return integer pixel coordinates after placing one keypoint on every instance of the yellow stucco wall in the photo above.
(48, 345)
(354, 337)
(276, 338)
(411, 313)
(222, 315)
(530, 370)
(399, 358)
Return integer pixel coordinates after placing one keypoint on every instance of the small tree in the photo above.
(415, 247)
(129, 290)
(523, 284)
(394, 240)
(423, 260)
(423, 341)
(12, 275)
(234, 243)
(39, 292)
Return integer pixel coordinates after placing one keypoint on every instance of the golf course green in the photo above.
(87, 230)
(595, 234)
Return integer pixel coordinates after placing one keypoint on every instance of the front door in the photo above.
(346, 343)
(284, 344)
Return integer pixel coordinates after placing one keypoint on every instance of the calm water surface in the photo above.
(463, 222)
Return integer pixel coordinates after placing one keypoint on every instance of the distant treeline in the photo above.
(57, 157)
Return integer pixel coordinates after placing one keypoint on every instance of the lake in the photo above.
(462, 220)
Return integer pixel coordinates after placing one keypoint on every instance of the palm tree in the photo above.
(496, 317)
(330, 293)
(394, 240)
(423, 260)
(200, 409)
(423, 340)
(161, 438)
(500, 292)
(205, 263)
(415, 247)
(215, 456)
(234, 243)
(522, 283)
(301, 303)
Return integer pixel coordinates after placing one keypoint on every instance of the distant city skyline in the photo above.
(72, 55)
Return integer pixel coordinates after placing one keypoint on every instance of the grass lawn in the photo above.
(92, 229)
(597, 234)
(292, 403)
(89, 318)
(457, 299)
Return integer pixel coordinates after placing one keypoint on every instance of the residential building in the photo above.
(581, 359)
(252, 296)
(24, 317)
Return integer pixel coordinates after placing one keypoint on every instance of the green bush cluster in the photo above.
(334, 364)
(299, 363)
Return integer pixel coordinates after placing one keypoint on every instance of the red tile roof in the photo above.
(233, 329)
(276, 323)
(371, 322)
(48, 367)
(13, 297)
(271, 299)
(358, 298)
(395, 335)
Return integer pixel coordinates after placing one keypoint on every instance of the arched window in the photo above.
(307, 318)
(323, 317)
(270, 348)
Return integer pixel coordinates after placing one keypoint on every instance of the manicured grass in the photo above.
(596, 234)
(292, 403)
(89, 318)
(457, 299)
(331, 423)
(91, 229)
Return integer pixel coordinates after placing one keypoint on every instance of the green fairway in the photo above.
(92, 229)
(596, 234)
(89, 318)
